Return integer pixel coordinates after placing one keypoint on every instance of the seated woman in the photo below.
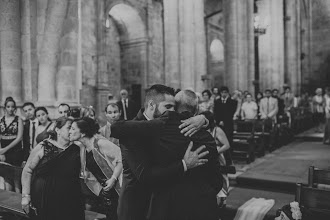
(103, 159)
(45, 124)
(50, 179)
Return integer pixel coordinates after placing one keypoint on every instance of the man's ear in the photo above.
(151, 105)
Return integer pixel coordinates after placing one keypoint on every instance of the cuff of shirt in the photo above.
(184, 166)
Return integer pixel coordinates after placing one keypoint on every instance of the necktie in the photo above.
(124, 109)
(33, 134)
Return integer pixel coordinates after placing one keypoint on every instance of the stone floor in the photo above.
(275, 175)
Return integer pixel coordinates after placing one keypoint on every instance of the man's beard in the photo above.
(157, 113)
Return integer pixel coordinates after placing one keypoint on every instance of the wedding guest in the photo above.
(103, 159)
(50, 179)
(326, 136)
(318, 109)
(206, 104)
(249, 109)
(11, 132)
(112, 113)
(29, 133)
(45, 124)
(127, 106)
(63, 110)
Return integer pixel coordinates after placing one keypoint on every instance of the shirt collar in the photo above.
(145, 115)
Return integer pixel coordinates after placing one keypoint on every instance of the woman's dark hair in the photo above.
(10, 99)
(87, 126)
(40, 109)
(207, 92)
(59, 123)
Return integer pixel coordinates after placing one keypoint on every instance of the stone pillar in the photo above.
(250, 45)
(29, 49)
(48, 59)
(200, 45)
(172, 46)
(231, 57)
(242, 45)
(187, 49)
(10, 44)
(66, 76)
(271, 44)
(292, 44)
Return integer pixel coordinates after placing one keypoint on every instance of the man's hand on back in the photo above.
(191, 125)
(194, 159)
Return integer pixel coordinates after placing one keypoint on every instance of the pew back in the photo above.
(313, 198)
(318, 176)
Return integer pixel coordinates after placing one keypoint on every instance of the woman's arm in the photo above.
(113, 152)
(18, 138)
(221, 136)
(36, 154)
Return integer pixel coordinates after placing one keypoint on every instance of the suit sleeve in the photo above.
(130, 129)
(145, 172)
(26, 143)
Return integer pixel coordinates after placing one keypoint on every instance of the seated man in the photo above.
(193, 195)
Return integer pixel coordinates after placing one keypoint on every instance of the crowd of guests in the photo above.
(165, 161)
(165, 155)
(270, 105)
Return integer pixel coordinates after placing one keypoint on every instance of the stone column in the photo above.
(67, 67)
(187, 44)
(200, 45)
(242, 46)
(29, 49)
(271, 44)
(292, 44)
(172, 46)
(231, 58)
(48, 60)
(10, 44)
(250, 45)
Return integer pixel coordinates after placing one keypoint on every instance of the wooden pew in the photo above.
(316, 202)
(243, 141)
(11, 202)
(319, 178)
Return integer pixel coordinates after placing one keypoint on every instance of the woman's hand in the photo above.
(110, 184)
(26, 204)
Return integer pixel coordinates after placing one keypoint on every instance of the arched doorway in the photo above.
(129, 45)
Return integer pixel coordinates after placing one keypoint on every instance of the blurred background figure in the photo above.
(318, 109)
(127, 106)
(45, 124)
(249, 109)
(206, 104)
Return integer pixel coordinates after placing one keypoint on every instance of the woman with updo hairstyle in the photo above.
(50, 179)
(103, 160)
(11, 132)
(45, 124)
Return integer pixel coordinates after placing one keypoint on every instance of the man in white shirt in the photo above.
(249, 108)
(268, 106)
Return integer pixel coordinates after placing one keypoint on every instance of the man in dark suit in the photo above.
(189, 196)
(30, 125)
(127, 106)
(224, 110)
(135, 193)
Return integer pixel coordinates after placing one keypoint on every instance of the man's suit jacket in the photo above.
(131, 111)
(288, 99)
(268, 108)
(26, 140)
(225, 112)
(192, 196)
(138, 177)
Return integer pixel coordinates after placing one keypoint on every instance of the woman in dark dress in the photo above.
(11, 131)
(103, 160)
(50, 179)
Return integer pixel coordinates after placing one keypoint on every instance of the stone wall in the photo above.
(320, 68)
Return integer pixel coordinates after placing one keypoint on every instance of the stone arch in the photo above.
(133, 46)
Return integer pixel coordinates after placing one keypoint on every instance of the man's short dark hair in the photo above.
(275, 90)
(224, 89)
(268, 90)
(64, 104)
(157, 93)
(28, 104)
